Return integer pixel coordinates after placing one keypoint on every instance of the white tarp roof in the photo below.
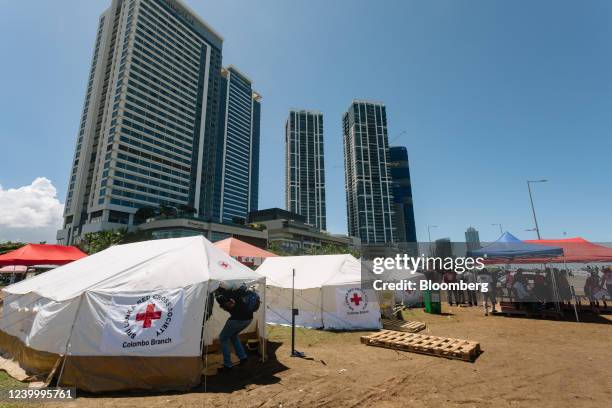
(311, 271)
(392, 274)
(138, 266)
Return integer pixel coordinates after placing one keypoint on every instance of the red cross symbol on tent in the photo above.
(148, 316)
(356, 299)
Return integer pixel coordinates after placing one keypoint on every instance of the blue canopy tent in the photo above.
(508, 247)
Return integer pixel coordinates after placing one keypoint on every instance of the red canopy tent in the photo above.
(575, 250)
(247, 254)
(42, 254)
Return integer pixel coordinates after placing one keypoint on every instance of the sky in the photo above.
(484, 94)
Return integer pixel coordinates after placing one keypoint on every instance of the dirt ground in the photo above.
(525, 363)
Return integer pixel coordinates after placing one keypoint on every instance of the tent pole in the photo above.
(555, 289)
(572, 288)
(203, 346)
(263, 325)
(294, 312)
(265, 355)
(322, 323)
(69, 341)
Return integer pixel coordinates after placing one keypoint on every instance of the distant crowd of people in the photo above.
(526, 290)
(597, 288)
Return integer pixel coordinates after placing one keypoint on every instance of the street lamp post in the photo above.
(501, 229)
(535, 220)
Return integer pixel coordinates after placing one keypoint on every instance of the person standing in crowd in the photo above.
(450, 276)
(470, 278)
(593, 291)
(484, 277)
(519, 289)
(241, 315)
(494, 282)
(539, 286)
(565, 292)
(606, 280)
(461, 279)
(508, 283)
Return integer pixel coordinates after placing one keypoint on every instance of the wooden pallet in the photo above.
(402, 325)
(510, 309)
(419, 343)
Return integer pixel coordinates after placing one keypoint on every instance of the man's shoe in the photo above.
(224, 370)
(243, 361)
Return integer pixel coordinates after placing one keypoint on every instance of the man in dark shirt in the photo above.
(240, 317)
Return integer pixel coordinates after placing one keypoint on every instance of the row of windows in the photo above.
(150, 108)
(145, 77)
(142, 197)
(164, 18)
(169, 76)
(148, 190)
(147, 163)
(156, 140)
(150, 182)
(155, 126)
(147, 95)
(156, 159)
(154, 150)
(124, 203)
(151, 27)
(152, 174)
(165, 62)
(189, 64)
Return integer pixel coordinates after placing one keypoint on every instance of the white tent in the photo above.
(328, 292)
(131, 316)
(391, 297)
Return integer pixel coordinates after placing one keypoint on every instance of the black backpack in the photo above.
(252, 300)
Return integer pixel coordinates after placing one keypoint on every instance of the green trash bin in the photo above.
(431, 298)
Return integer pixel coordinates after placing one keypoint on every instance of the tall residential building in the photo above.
(405, 229)
(150, 131)
(304, 166)
(367, 177)
(472, 239)
(238, 181)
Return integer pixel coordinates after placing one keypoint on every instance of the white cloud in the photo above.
(30, 209)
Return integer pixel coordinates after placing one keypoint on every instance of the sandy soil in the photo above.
(525, 363)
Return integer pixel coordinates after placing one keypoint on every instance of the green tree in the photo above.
(278, 249)
(167, 211)
(137, 236)
(329, 249)
(98, 241)
(144, 213)
(9, 246)
(186, 210)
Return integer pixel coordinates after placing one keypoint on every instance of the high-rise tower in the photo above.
(305, 167)
(238, 180)
(149, 131)
(367, 178)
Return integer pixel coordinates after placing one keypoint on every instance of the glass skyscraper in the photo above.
(239, 169)
(305, 167)
(150, 131)
(367, 178)
(405, 229)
